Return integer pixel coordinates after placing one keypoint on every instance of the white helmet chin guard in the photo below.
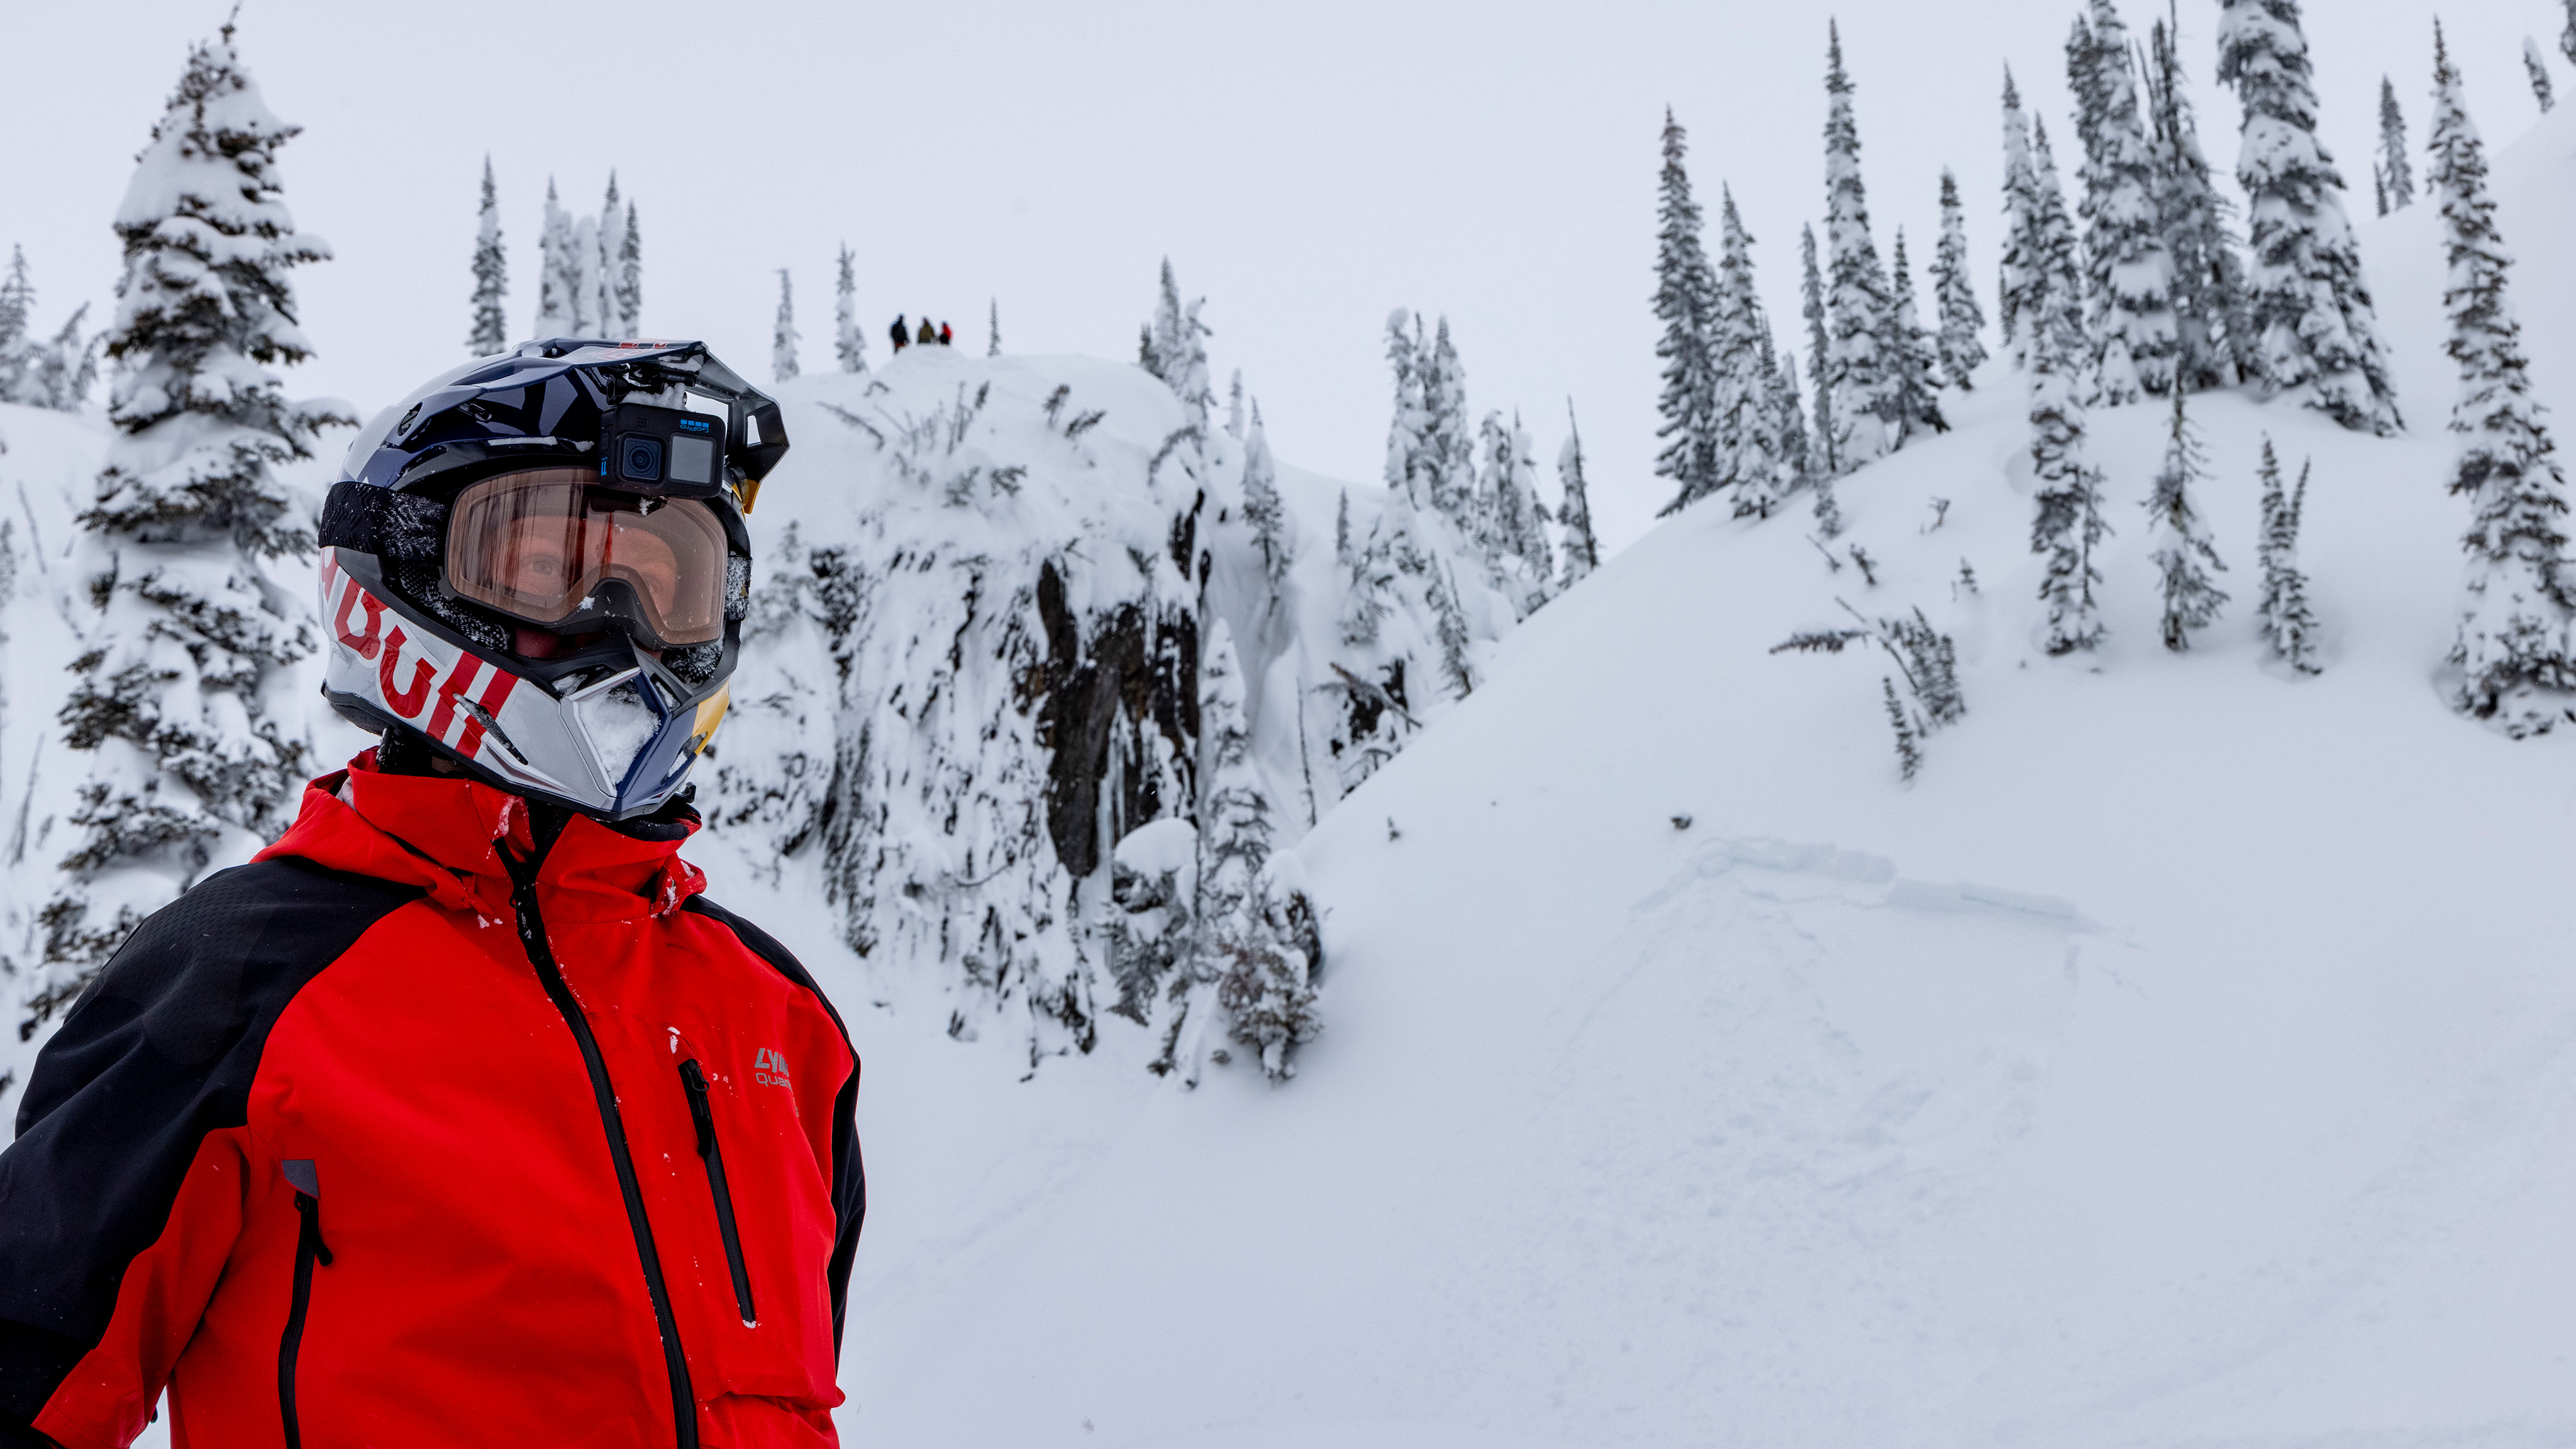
(538, 563)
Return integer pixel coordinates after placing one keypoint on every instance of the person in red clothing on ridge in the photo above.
(946, 337)
(461, 1115)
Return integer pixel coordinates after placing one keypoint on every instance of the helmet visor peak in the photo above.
(535, 546)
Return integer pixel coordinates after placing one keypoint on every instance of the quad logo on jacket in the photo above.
(769, 1068)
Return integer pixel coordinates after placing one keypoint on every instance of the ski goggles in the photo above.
(538, 546)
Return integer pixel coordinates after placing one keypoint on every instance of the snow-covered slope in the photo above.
(2188, 1056)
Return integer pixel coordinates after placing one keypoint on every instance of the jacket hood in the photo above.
(444, 834)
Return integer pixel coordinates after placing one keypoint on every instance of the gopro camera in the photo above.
(663, 451)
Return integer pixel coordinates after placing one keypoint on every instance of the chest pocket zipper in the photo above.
(711, 1153)
(309, 1250)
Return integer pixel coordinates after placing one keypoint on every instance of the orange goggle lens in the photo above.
(535, 545)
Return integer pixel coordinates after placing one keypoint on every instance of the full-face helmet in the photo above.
(538, 563)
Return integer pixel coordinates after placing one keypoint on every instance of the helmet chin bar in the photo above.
(607, 730)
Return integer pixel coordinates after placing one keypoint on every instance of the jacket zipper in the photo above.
(309, 1250)
(532, 937)
(710, 1153)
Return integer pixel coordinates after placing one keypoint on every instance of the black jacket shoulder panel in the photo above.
(157, 1054)
(849, 1174)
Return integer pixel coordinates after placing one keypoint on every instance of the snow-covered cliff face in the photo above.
(974, 663)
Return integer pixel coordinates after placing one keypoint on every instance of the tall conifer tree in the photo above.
(183, 701)
(2214, 329)
(2318, 337)
(849, 339)
(1909, 351)
(1861, 376)
(1826, 456)
(2289, 625)
(630, 276)
(1961, 349)
(783, 339)
(2022, 287)
(490, 332)
(2515, 657)
(2129, 272)
(1748, 461)
(2184, 555)
(1405, 463)
(2536, 65)
(2396, 173)
(555, 270)
(1686, 302)
(1574, 507)
(1449, 446)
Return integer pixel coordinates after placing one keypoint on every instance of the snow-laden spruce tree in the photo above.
(17, 305)
(2317, 338)
(1960, 347)
(2021, 287)
(2536, 65)
(1908, 348)
(603, 304)
(557, 271)
(1406, 429)
(2065, 486)
(1527, 518)
(1789, 420)
(584, 277)
(1233, 394)
(1175, 350)
(1748, 461)
(2567, 37)
(1574, 507)
(2289, 625)
(783, 337)
(1448, 437)
(993, 338)
(2056, 260)
(849, 339)
(1826, 460)
(2129, 273)
(182, 699)
(2516, 661)
(2179, 538)
(630, 276)
(1860, 375)
(490, 332)
(1686, 303)
(2396, 173)
(2214, 332)
(1249, 959)
(1263, 508)
(56, 374)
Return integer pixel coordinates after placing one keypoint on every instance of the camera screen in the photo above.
(693, 460)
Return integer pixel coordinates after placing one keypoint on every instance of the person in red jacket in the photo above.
(461, 1115)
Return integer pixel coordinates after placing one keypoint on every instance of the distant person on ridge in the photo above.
(460, 1116)
(902, 334)
(946, 337)
(927, 336)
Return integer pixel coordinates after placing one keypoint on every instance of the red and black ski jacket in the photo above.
(414, 1133)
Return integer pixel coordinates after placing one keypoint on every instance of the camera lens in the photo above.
(640, 459)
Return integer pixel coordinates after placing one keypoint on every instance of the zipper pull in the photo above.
(307, 1182)
(700, 1114)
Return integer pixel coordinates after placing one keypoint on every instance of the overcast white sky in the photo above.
(1306, 167)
